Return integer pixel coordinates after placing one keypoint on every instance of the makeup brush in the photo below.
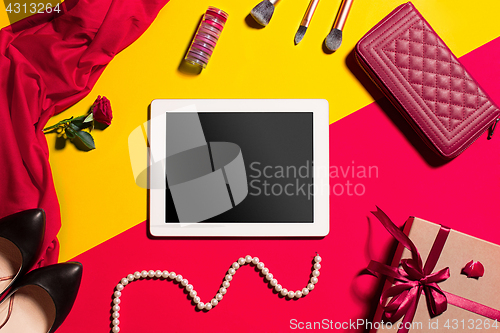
(334, 38)
(306, 20)
(263, 12)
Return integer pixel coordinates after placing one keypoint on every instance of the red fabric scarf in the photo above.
(49, 62)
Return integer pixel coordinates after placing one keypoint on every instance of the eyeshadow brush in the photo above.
(334, 38)
(306, 20)
(263, 12)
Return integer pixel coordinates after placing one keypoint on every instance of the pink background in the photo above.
(462, 194)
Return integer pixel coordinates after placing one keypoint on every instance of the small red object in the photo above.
(473, 269)
(102, 110)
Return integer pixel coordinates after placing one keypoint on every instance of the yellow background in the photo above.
(96, 189)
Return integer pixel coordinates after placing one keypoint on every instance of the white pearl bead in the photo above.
(222, 291)
(116, 329)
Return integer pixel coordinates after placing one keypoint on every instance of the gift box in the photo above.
(435, 282)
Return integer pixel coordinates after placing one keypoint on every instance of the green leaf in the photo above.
(70, 133)
(89, 118)
(77, 124)
(86, 138)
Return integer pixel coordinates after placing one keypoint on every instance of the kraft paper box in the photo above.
(459, 249)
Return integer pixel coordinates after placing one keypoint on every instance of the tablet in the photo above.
(239, 167)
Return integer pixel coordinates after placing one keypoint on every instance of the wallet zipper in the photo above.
(492, 128)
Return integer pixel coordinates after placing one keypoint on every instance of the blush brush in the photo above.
(263, 12)
(334, 38)
(306, 20)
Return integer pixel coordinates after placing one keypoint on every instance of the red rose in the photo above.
(102, 110)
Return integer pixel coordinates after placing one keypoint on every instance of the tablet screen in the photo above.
(239, 167)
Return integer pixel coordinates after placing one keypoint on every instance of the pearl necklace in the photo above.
(172, 276)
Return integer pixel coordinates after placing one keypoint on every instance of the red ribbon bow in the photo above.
(413, 278)
(411, 282)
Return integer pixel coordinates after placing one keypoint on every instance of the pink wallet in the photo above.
(419, 74)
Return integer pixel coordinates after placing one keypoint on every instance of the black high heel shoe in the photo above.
(21, 236)
(41, 300)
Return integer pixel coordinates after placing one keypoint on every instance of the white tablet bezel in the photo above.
(321, 216)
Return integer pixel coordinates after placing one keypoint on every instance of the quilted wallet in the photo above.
(420, 75)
